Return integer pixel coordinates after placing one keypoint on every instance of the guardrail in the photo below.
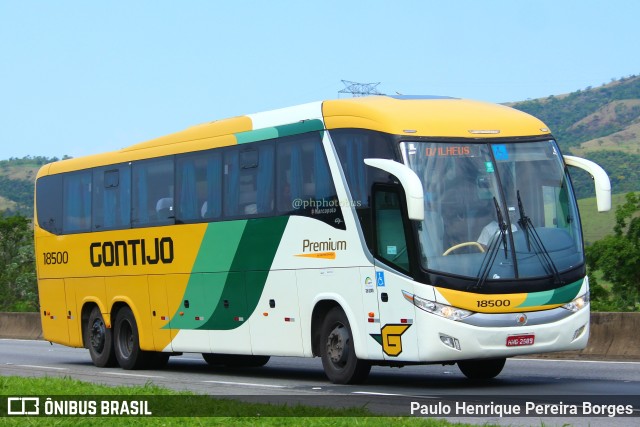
(614, 336)
(24, 326)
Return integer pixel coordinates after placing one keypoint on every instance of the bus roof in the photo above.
(428, 116)
(431, 117)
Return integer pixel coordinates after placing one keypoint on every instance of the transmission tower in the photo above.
(360, 89)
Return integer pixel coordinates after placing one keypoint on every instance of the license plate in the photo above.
(520, 340)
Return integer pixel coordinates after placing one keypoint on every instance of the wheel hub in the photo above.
(336, 345)
(97, 336)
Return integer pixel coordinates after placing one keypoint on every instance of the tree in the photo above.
(18, 285)
(618, 258)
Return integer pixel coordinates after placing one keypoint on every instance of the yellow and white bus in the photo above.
(384, 230)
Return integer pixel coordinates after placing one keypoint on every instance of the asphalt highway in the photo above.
(387, 390)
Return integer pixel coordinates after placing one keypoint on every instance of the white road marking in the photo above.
(133, 375)
(612, 362)
(42, 367)
(414, 396)
(373, 393)
(246, 384)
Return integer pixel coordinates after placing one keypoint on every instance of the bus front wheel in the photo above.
(126, 342)
(339, 360)
(99, 340)
(481, 369)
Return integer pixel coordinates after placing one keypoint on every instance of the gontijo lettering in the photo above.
(131, 252)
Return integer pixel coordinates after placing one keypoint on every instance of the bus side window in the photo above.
(391, 241)
(111, 198)
(304, 182)
(190, 175)
(199, 186)
(212, 207)
(152, 195)
(76, 203)
(49, 208)
(249, 180)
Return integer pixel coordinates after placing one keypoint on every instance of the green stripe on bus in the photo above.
(300, 127)
(219, 246)
(229, 274)
(566, 293)
(209, 273)
(279, 131)
(256, 135)
(555, 296)
(249, 272)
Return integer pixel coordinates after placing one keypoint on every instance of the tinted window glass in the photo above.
(249, 180)
(48, 196)
(199, 186)
(111, 197)
(304, 182)
(152, 190)
(391, 242)
(76, 204)
(353, 146)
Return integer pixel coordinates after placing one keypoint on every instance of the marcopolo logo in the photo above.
(131, 252)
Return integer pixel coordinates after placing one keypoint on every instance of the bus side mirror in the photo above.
(410, 183)
(600, 180)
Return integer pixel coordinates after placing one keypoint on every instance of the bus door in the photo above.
(371, 310)
(391, 271)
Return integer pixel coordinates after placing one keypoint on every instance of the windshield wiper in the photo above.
(502, 226)
(492, 250)
(532, 235)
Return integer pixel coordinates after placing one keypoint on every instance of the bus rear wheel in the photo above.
(99, 340)
(339, 360)
(481, 369)
(126, 341)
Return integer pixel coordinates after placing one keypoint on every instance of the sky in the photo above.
(84, 77)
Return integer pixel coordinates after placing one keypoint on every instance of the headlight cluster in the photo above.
(446, 311)
(578, 303)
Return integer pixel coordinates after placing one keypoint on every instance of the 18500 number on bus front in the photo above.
(54, 258)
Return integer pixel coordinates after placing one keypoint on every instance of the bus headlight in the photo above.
(578, 303)
(446, 311)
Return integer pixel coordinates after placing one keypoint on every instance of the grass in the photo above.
(626, 140)
(250, 414)
(596, 225)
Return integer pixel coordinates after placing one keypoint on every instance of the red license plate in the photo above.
(520, 340)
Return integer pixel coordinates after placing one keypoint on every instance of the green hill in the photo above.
(17, 178)
(596, 224)
(601, 124)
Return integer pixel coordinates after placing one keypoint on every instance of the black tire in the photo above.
(99, 340)
(339, 359)
(235, 360)
(481, 369)
(127, 343)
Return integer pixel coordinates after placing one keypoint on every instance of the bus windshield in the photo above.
(496, 211)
